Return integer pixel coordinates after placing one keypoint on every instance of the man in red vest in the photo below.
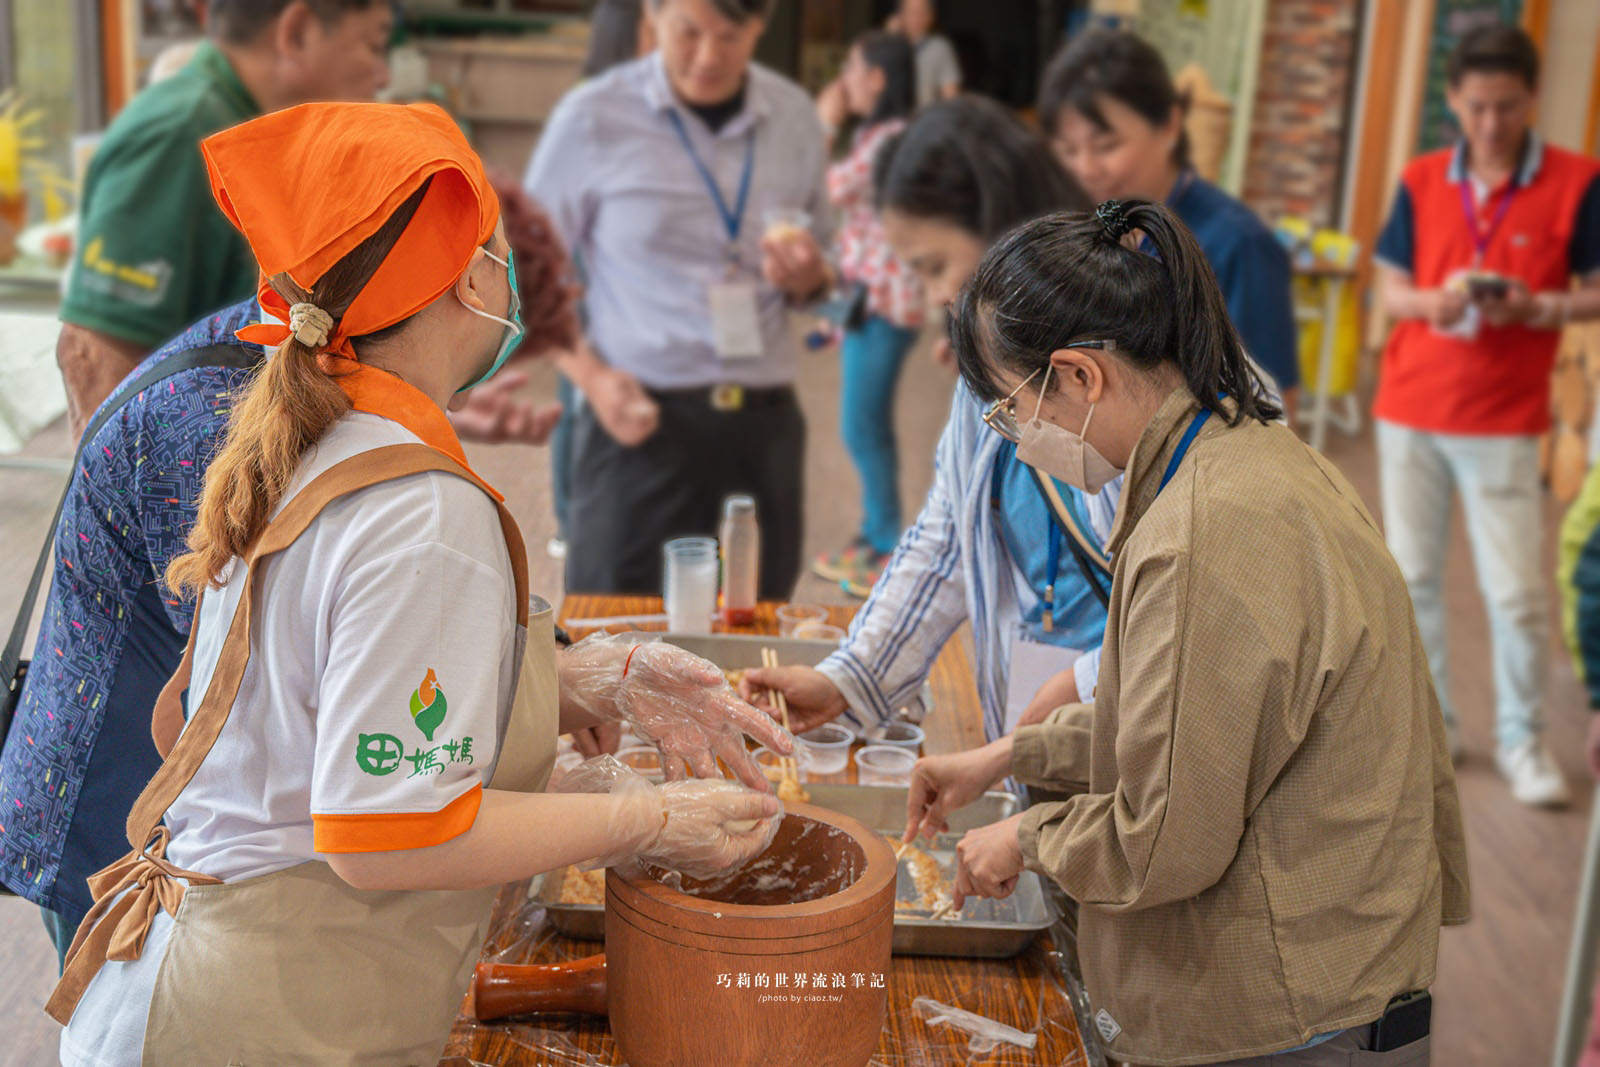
(1477, 262)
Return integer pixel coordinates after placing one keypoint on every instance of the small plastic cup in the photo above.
(646, 759)
(784, 222)
(793, 616)
(818, 631)
(824, 750)
(906, 735)
(884, 765)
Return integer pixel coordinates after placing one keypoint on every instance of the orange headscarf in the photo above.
(306, 185)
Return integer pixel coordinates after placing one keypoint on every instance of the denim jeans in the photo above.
(61, 935)
(1498, 479)
(873, 356)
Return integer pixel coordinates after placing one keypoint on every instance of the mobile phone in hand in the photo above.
(1481, 287)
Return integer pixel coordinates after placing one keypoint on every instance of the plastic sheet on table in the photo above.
(523, 933)
(1046, 1006)
(550, 1048)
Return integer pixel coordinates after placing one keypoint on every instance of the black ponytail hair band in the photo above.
(1114, 218)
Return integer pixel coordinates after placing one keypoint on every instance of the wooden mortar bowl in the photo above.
(676, 959)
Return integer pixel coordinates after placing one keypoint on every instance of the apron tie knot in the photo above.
(128, 894)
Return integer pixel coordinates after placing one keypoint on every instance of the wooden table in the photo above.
(1030, 992)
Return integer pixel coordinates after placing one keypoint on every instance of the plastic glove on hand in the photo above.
(681, 702)
(698, 828)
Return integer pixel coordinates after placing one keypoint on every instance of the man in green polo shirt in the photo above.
(154, 251)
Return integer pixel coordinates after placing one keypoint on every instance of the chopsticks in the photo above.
(790, 768)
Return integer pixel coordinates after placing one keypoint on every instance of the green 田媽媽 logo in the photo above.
(428, 705)
(378, 754)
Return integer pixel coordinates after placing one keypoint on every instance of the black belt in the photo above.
(727, 397)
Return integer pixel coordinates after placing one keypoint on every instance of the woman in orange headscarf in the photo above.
(373, 698)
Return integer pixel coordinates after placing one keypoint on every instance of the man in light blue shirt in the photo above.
(690, 182)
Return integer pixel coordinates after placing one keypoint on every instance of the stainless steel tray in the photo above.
(986, 929)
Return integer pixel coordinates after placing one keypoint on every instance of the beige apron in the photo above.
(296, 966)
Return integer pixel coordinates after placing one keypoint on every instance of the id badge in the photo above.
(1032, 665)
(736, 319)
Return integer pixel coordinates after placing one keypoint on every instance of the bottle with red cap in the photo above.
(740, 541)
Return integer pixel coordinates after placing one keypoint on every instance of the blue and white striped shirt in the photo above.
(953, 565)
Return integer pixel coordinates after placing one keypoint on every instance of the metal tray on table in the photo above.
(986, 929)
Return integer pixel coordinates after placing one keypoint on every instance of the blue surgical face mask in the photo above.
(513, 324)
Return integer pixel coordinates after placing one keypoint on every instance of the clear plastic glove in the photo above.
(678, 700)
(697, 828)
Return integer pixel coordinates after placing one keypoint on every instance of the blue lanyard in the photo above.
(1183, 447)
(1053, 563)
(732, 219)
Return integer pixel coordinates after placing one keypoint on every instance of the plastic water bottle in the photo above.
(740, 541)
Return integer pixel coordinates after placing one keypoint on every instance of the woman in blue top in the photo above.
(1115, 120)
(985, 548)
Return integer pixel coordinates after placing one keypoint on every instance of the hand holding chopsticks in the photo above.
(769, 660)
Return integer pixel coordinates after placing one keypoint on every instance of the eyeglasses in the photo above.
(1001, 416)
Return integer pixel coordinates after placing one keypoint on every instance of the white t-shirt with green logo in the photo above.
(380, 679)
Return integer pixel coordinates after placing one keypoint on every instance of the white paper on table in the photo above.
(1032, 665)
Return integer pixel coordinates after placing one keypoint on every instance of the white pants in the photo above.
(1498, 478)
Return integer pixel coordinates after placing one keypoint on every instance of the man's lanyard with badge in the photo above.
(1481, 238)
(1472, 319)
(734, 303)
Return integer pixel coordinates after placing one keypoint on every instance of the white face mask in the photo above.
(1061, 453)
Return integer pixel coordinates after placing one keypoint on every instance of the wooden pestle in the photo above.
(501, 989)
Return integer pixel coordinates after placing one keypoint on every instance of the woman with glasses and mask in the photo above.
(1264, 813)
(1017, 556)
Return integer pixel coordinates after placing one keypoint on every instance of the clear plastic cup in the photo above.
(906, 735)
(884, 765)
(818, 631)
(793, 616)
(689, 588)
(824, 750)
(783, 222)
